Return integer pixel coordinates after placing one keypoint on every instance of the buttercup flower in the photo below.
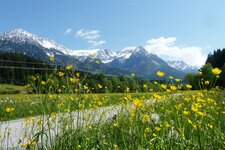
(61, 74)
(70, 67)
(9, 109)
(51, 58)
(138, 103)
(188, 86)
(160, 73)
(216, 71)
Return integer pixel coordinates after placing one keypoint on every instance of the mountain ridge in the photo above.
(24, 42)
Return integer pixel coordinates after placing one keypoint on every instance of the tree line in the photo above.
(17, 69)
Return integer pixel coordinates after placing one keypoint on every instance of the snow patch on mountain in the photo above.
(180, 65)
(105, 55)
(126, 52)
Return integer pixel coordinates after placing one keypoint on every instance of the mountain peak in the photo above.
(19, 32)
(22, 36)
(181, 65)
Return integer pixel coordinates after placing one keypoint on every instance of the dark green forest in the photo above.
(17, 69)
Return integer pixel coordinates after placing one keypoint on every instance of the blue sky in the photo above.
(161, 26)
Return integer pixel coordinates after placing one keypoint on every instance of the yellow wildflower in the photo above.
(189, 121)
(148, 130)
(78, 74)
(173, 87)
(138, 103)
(210, 126)
(157, 129)
(9, 109)
(200, 113)
(43, 82)
(73, 80)
(164, 86)
(99, 86)
(194, 108)
(61, 74)
(116, 124)
(167, 125)
(145, 118)
(85, 87)
(171, 77)
(70, 67)
(186, 112)
(145, 86)
(188, 86)
(216, 71)
(156, 96)
(160, 73)
(177, 80)
(51, 58)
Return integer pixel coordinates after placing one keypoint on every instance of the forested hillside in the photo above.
(15, 68)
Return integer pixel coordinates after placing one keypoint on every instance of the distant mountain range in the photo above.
(129, 60)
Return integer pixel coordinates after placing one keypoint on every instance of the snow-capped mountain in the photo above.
(128, 60)
(139, 61)
(22, 36)
(105, 55)
(180, 65)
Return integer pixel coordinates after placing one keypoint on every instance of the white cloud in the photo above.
(88, 34)
(68, 31)
(92, 37)
(166, 48)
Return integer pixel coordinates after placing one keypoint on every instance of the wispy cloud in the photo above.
(167, 49)
(68, 31)
(92, 37)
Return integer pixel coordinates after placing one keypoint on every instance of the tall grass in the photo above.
(161, 120)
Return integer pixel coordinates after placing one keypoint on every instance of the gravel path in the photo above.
(16, 132)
